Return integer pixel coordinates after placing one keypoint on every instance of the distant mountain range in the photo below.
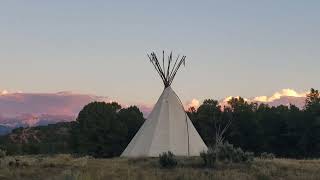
(29, 120)
(4, 130)
(36, 109)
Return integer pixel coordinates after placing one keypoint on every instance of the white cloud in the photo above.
(278, 95)
(193, 103)
(282, 97)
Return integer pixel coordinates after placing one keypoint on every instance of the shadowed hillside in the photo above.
(4, 130)
(38, 140)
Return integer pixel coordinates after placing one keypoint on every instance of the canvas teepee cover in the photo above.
(168, 128)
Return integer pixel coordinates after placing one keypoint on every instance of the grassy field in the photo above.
(67, 167)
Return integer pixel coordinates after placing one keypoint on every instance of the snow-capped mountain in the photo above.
(29, 120)
(34, 109)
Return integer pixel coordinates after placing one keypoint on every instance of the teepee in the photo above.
(168, 127)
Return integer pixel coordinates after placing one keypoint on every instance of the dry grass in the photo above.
(68, 168)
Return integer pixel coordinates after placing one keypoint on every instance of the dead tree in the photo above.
(221, 130)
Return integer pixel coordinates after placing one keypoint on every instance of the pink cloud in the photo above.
(145, 109)
(30, 109)
(55, 103)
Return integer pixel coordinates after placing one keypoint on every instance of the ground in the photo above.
(67, 167)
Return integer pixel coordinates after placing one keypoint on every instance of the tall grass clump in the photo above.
(3, 153)
(268, 156)
(168, 160)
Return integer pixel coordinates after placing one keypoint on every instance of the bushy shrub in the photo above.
(19, 163)
(3, 153)
(248, 156)
(209, 157)
(238, 155)
(167, 160)
(226, 153)
(266, 155)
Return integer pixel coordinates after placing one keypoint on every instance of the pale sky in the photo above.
(247, 48)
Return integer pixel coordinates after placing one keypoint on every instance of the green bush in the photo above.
(225, 153)
(248, 156)
(168, 160)
(209, 157)
(103, 130)
(238, 155)
(266, 155)
(3, 153)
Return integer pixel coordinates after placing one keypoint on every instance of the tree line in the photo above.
(105, 129)
(286, 131)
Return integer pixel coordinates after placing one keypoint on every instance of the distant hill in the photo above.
(39, 139)
(4, 130)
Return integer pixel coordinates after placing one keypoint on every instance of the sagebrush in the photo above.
(266, 155)
(168, 160)
(226, 153)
